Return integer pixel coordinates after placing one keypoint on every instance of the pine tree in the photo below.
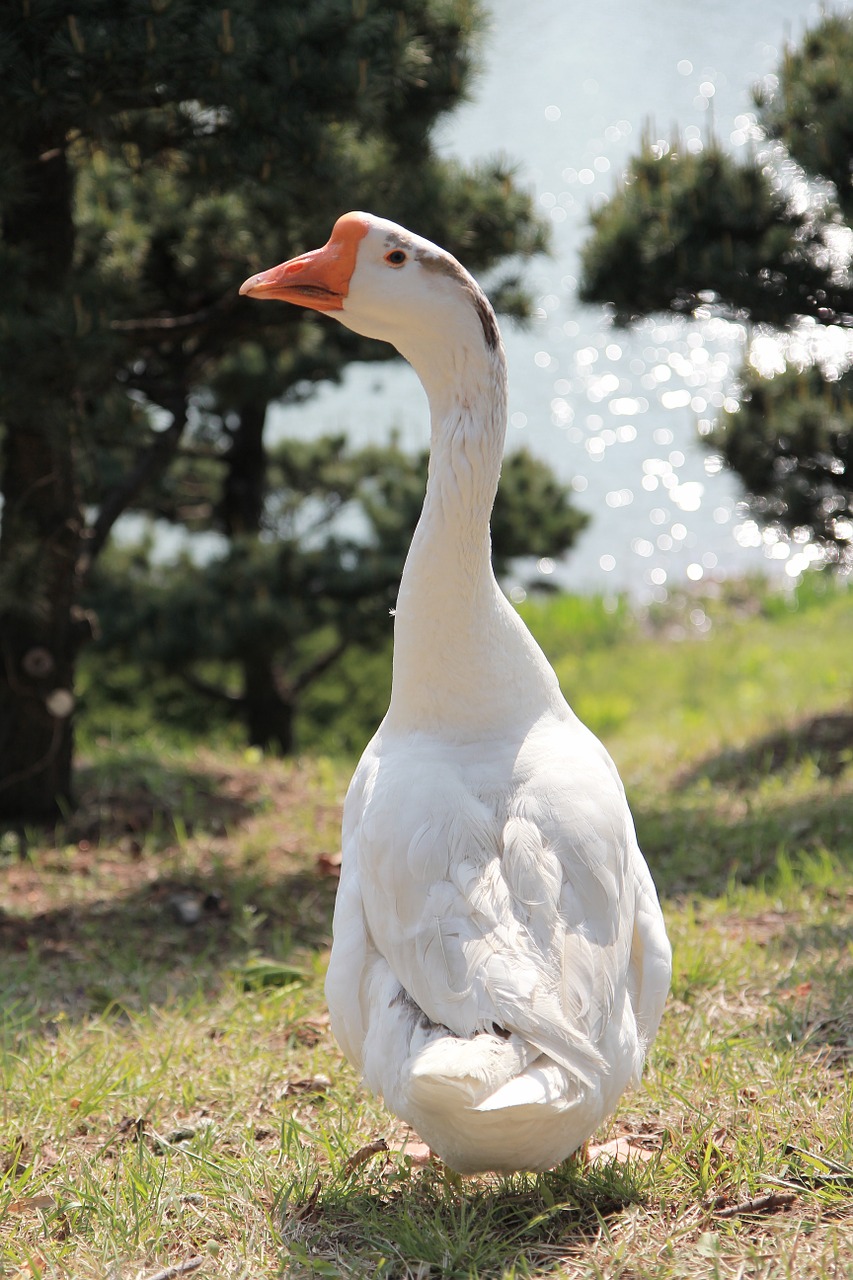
(153, 154)
(265, 620)
(685, 231)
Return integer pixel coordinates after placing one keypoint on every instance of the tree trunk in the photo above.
(267, 710)
(41, 517)
(244, 489)
(269, 713)
(38, 550)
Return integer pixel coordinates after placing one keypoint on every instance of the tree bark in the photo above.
(41, 518)
(268, 712)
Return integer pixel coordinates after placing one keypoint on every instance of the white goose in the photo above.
(500, 962)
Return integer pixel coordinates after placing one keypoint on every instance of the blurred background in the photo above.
(206, 504)
(569, 98)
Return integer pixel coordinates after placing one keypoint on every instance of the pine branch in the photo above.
(152, 464)
(159, 324)
(316, 668)
(233, 700)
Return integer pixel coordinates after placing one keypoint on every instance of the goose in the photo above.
(499, 963)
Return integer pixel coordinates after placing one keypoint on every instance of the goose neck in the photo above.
(463, 661)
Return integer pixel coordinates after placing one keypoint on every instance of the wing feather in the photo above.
(508, 906)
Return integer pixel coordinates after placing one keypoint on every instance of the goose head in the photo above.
(384, 282)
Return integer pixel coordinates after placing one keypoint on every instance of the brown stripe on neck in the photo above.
(449, 266)
(488, 319)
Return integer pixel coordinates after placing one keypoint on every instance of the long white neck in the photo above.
(464, 663)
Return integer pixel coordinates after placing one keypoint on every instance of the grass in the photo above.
(170, 1094)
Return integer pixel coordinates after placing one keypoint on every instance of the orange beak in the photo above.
(320, 279)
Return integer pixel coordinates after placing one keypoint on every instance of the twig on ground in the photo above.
(822, 1168)
(179, 1269)
(364, 1153)
(768, 1203)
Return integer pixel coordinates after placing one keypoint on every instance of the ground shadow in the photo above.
(135, 801)
(730, 817)
(163, 941)
(399, 1221)
(815, 1009)
(157, 923)
(826, 740)
(129, 799)
(149, 891)
(703, 848)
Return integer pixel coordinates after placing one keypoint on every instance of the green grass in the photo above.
(169, 1089)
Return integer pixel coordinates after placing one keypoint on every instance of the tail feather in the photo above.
(472, 1069)
(541, 1085)
(482, 1102)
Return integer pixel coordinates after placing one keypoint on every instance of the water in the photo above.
(566, 90)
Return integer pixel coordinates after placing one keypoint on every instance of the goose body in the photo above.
(500, 962)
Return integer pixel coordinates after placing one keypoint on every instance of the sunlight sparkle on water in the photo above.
(619, 414)
(684, 367)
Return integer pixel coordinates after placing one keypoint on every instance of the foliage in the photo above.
(791, 442)
(688, 231)
(153, 155)
(812, 109)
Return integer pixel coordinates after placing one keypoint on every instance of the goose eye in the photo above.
(395, 258)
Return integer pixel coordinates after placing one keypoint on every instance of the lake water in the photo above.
(566, 90)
